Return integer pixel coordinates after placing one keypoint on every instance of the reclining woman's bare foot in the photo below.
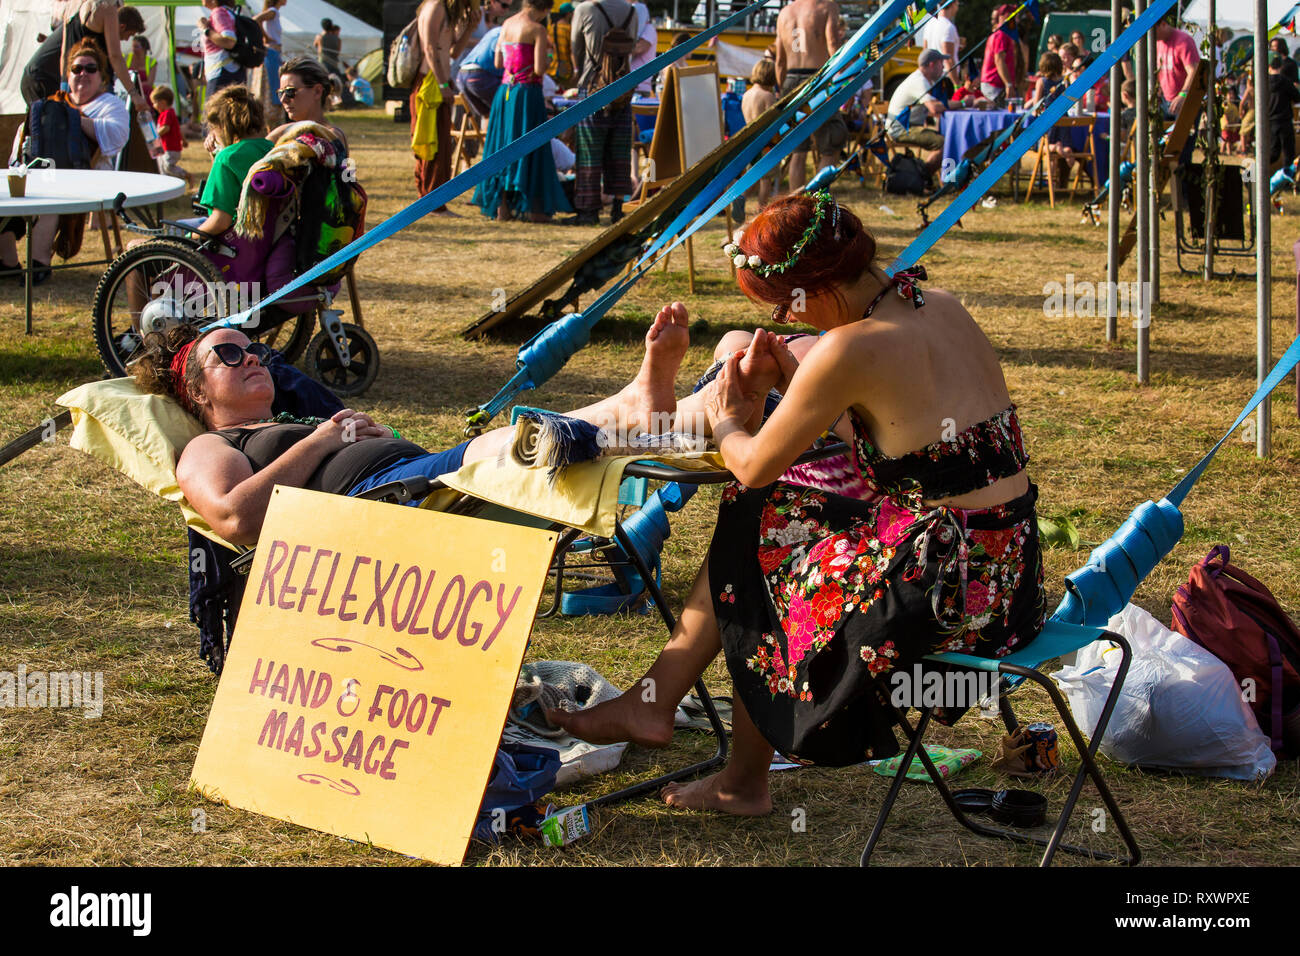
(626, 718)
(722, 793)
(650, 400)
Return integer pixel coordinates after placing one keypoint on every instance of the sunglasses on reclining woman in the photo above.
(232, 353)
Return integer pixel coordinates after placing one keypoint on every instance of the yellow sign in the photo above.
(366, 690)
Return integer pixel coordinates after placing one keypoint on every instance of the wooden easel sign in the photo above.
(689, 125)
(377, 652)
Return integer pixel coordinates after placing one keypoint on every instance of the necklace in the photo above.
(284, 418)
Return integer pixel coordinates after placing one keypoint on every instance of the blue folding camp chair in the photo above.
(639, 536)
(1094, 593)
(1055, 640)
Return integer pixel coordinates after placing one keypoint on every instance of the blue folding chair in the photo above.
(1094, 593)
(1055, 640)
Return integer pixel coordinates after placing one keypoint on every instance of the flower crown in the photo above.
(822, 202)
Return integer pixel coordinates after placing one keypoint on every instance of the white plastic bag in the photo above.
(1180, 709)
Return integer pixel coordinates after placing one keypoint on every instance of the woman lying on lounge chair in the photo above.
(228, 473)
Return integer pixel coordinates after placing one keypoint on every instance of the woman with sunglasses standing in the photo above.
(104, 120)
(305, 88)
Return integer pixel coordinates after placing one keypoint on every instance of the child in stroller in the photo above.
(274, 212)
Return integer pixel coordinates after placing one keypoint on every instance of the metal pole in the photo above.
(1142, 195)
(1113, 197)
(1211, 150)
(1157, 165)
(1263, 222)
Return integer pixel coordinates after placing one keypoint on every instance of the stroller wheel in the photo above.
(158, 283)
(322, 362)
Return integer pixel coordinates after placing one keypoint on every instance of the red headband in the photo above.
(178, 377)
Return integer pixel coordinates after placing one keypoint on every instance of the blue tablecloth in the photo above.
(963, 129)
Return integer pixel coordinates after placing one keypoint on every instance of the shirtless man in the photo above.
(443, 28)
(807, 33)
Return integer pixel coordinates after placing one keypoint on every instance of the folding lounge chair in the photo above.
(638, 537)
(140, 435)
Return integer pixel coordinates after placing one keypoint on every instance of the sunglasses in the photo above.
(232, 354)
(288, 93)
(80, 68)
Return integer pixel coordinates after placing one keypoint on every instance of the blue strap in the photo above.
(490, 165)
(1039, 128)
(1290, 358)
(544, 354)
(1100, 589)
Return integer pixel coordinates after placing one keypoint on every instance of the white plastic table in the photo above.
(52, 192)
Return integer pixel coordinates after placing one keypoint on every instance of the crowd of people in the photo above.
(238, 123)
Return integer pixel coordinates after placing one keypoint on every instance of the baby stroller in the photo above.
(291, 216)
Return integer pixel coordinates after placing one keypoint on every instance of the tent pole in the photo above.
(1113, 197)
(1211, 149)
(1142, 195)
(1156, 160)
(1263, 225)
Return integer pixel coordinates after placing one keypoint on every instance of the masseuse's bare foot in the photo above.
(650, 400)
(722, 792)
(627, 717)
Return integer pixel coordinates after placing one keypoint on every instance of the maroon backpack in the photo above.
(1237, 619)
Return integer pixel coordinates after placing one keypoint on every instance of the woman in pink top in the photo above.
(528, 187)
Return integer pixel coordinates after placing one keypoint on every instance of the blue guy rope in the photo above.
(1100, 589)
(490, 165)
(546, 353)
(1094, 73)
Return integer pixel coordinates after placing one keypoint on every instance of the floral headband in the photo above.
(823, 202)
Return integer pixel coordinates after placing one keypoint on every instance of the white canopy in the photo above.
(1234, 14)
(300, 20)
(21, 21)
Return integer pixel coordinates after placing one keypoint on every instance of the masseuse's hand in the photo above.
(729, 405)
(346, 427)
(785, 360)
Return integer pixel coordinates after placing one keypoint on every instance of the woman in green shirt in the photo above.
(237, 142)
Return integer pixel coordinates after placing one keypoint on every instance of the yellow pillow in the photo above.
(138, 433)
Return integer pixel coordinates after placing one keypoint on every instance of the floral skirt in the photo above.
(820, 598)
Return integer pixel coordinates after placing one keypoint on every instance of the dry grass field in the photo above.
(91, 566)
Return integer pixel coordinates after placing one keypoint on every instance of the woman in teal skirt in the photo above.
(529, 186)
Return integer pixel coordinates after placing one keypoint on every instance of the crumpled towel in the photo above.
(555, 685)
(554, 442)
(424, 135)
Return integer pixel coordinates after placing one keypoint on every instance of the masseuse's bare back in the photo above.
(929, 373)
(808, 31)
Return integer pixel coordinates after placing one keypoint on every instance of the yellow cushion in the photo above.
(138, 433)
(583, 496)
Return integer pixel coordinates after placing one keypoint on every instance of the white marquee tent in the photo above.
(21, 21)
(1234, 14)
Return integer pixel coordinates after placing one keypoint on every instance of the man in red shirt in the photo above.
(1176, 61)
(998, 77)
